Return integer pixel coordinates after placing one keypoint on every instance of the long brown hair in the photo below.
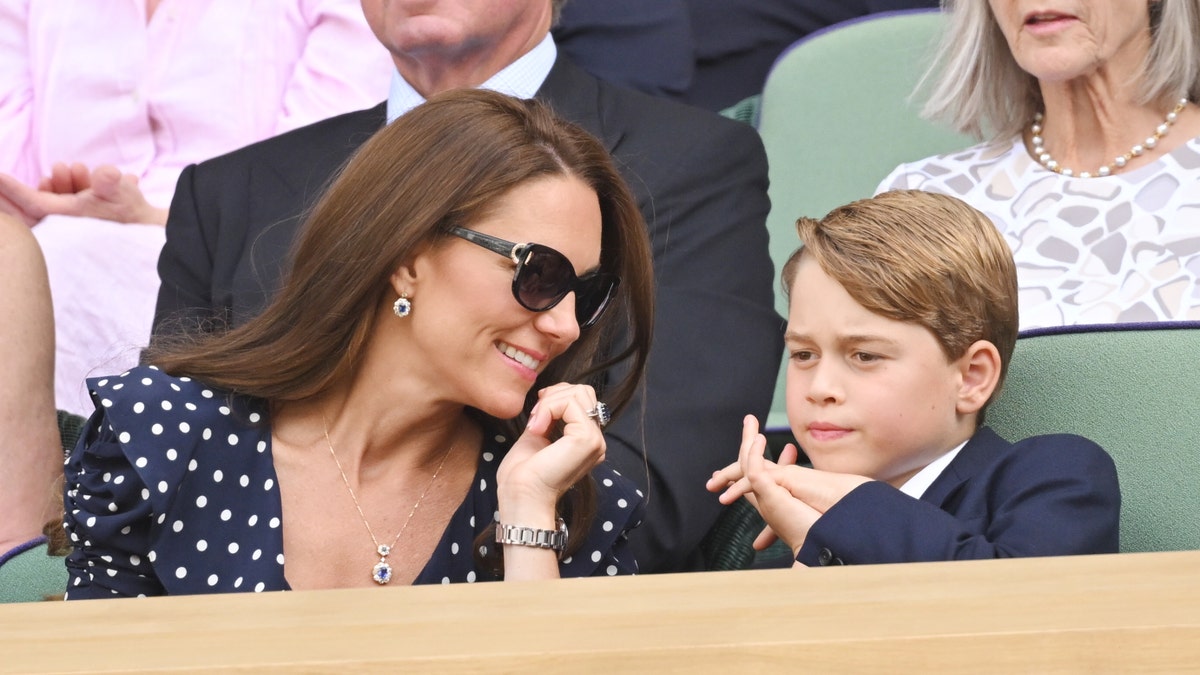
(441, 165)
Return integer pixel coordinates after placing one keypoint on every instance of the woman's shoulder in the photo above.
(1184, 160)
(148, 382)
(146, 399)
(965, 164)
(150, 415)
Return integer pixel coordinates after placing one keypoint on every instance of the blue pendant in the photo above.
(382, 572)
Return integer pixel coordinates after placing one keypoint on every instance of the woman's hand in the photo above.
(537, 471)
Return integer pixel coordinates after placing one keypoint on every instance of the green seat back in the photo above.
(1135, 392)
(32, 575)
(835, 118)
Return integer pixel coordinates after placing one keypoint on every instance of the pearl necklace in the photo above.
(382, 572)
(1039, 148)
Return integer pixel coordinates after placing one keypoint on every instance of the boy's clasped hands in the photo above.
(789, 497)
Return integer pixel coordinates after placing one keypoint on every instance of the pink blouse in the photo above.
(91, 81)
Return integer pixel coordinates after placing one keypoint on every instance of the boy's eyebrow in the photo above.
(793, 336)
(843, 341)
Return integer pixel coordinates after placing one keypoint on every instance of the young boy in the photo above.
(902, 318)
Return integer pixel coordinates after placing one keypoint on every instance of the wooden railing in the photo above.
(1113, 613)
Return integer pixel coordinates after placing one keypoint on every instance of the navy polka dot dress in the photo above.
(172, 490)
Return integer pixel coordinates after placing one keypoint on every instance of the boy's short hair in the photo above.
(921, 258)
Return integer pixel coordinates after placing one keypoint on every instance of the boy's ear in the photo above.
(979, 369)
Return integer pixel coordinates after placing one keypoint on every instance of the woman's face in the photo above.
(474, 343)
(1060, 40)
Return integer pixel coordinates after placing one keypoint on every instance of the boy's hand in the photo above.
(790, 498)
(787, 516)
(819, 489)
(787, 457)
(730, 480)
(751, 477)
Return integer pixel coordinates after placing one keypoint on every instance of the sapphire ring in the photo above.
(600, 414)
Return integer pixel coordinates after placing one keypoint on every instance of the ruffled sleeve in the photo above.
(107, 517)
(171, 490)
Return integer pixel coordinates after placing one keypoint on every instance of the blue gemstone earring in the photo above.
(403, 306)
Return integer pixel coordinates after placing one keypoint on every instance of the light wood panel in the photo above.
(1116, 613)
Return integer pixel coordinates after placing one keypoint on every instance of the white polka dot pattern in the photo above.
(172, 492)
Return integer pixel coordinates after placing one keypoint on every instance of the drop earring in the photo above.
(403, 306)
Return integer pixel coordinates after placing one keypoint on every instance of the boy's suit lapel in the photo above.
(973, 457)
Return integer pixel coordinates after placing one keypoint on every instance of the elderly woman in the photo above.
(1092, 167)
(428, 366)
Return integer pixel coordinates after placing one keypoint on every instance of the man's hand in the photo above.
(104, 193)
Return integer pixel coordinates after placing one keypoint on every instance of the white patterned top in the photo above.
(1123, 248)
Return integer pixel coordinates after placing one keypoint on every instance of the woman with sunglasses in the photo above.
(418, 405)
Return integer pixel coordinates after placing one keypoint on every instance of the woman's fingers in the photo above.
(549, 467)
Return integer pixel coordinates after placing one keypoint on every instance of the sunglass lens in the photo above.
(544, 278)
(592, 295)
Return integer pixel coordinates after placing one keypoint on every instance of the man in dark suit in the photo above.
(701, 184)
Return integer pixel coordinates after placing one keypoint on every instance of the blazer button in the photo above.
(825, 557)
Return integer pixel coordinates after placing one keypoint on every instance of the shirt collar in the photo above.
(916, 486)
(521, 78)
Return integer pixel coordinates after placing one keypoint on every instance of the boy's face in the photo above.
(866, 394)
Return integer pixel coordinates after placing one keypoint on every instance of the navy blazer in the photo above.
(1045, 495)
(700, 181)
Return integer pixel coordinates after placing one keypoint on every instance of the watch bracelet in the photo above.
(519, 535)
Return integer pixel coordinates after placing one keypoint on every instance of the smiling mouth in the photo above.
(518, 356)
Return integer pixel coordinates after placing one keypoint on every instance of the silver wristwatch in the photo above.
(555, 539)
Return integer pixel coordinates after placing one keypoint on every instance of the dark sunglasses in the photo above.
(544, 277)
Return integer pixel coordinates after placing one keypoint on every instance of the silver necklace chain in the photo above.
(382, 572)
(1046, 160)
